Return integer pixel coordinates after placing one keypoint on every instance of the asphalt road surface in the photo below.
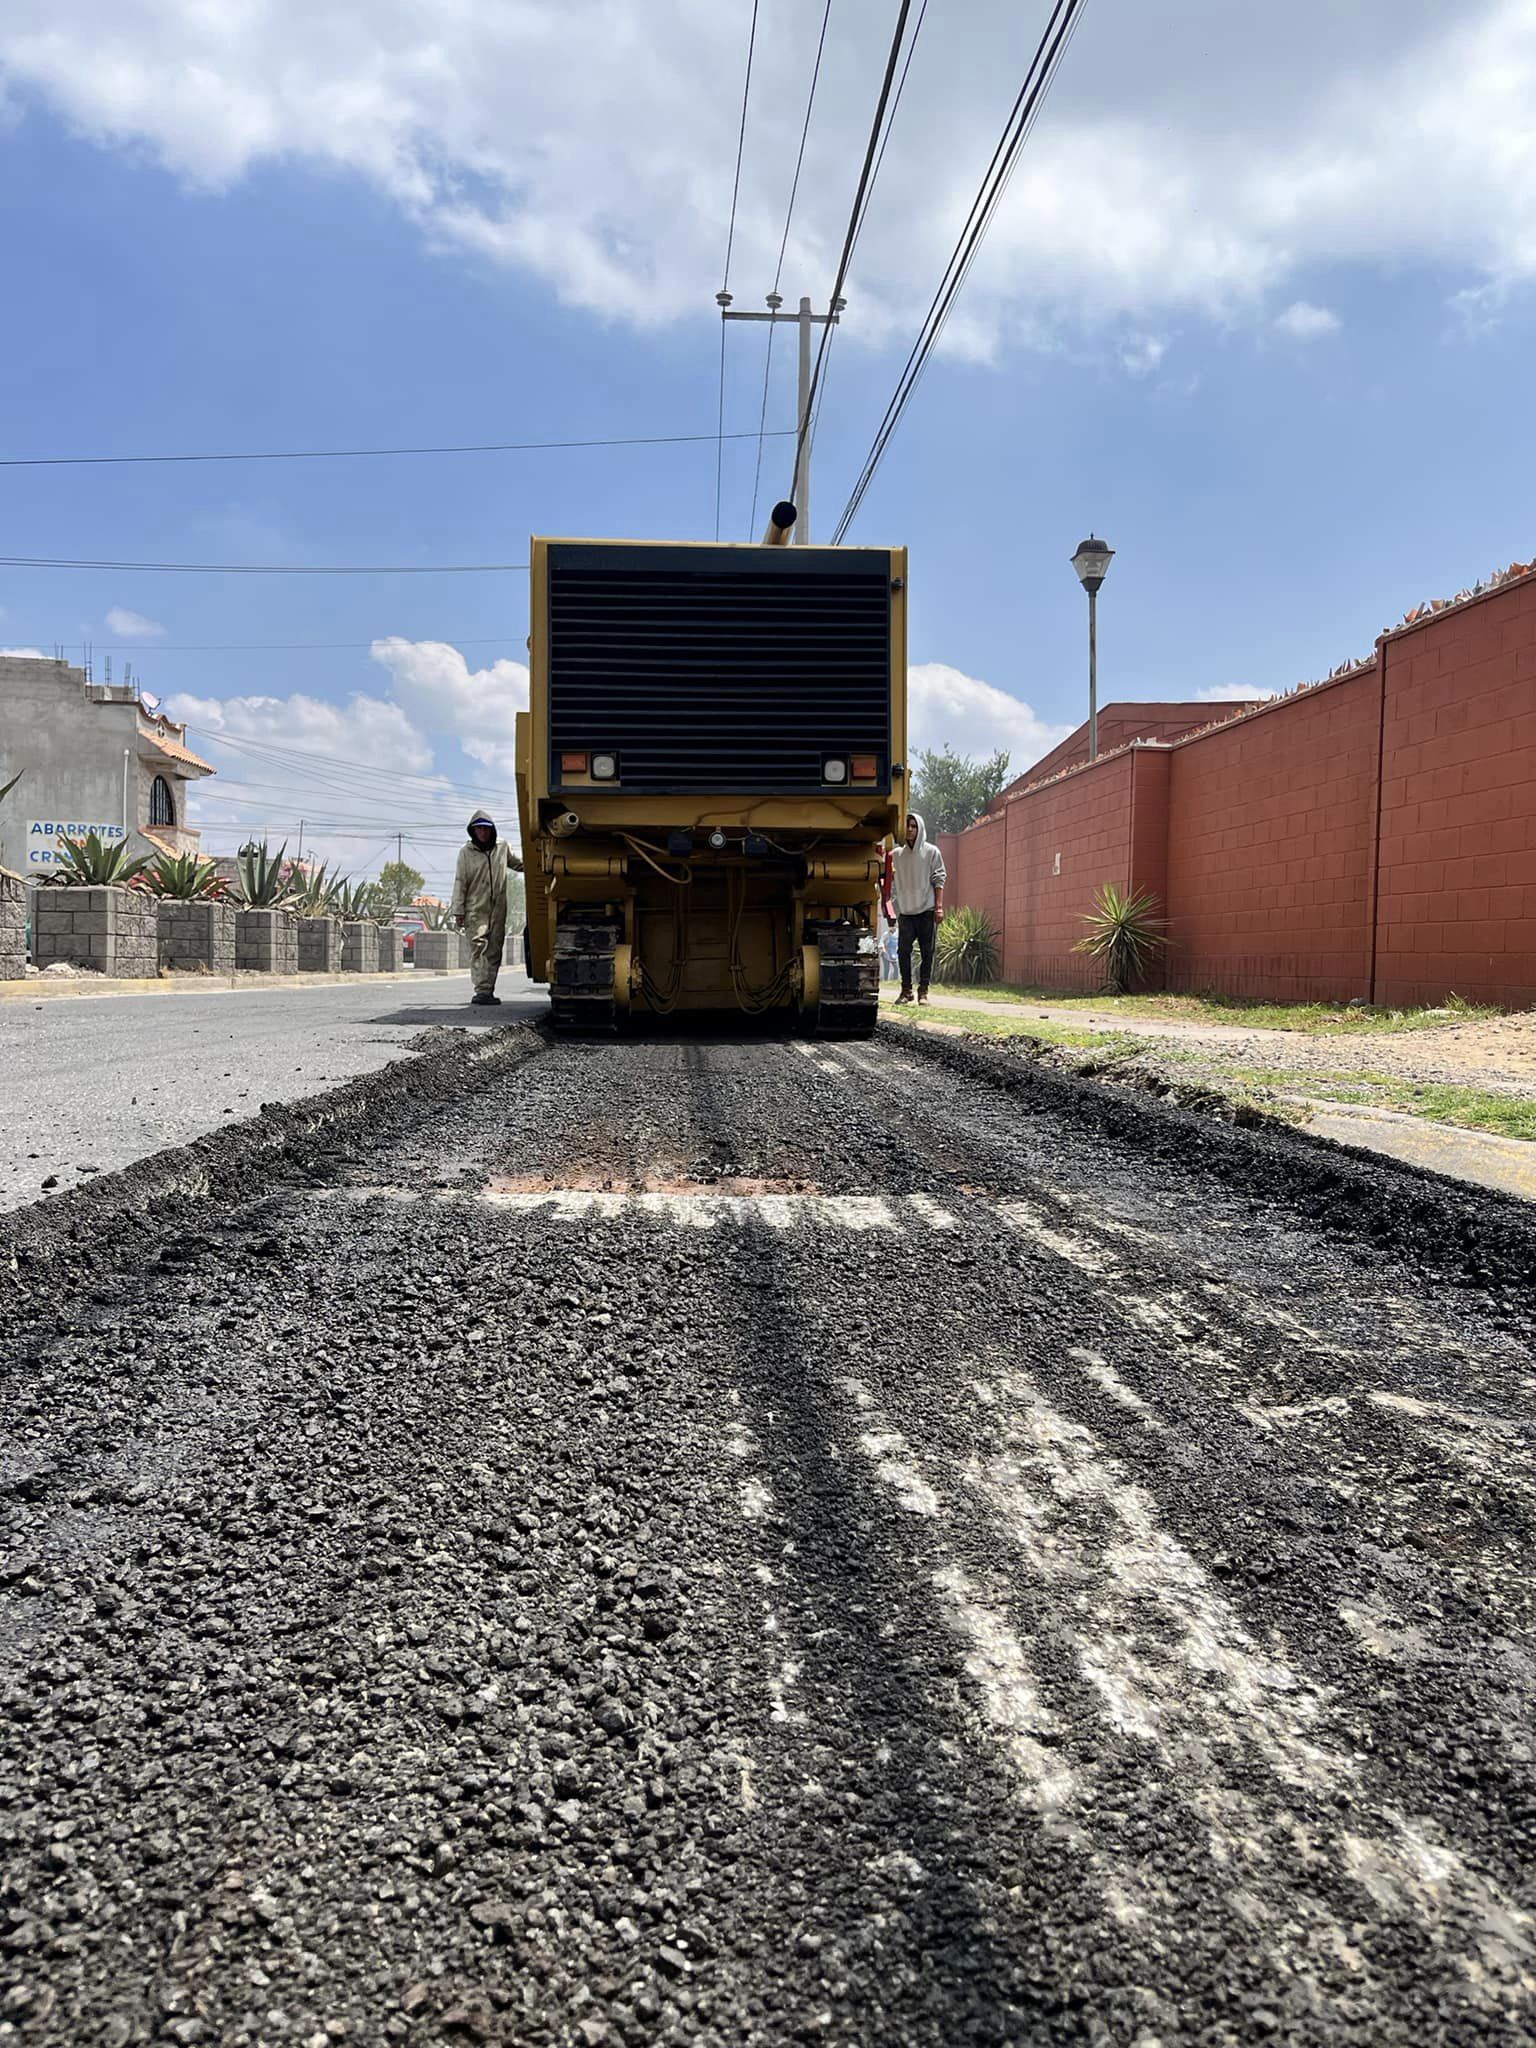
(743, 1541)
(92, 1083)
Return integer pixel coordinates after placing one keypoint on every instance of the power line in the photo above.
(158, 647)
(1051, 49)
(778, 269)
(351, 454)
(803, 425)
(730, 243)
(274, 568)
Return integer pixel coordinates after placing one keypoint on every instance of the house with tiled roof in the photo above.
(92, 758)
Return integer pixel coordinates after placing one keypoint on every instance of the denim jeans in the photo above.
(915, 928)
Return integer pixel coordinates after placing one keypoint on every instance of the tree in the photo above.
(398, 883)
(952, 790)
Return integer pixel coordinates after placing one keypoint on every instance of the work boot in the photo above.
(487, 999)
(905, 996)
(922, 995)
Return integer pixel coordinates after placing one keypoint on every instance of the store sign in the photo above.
(45, 835)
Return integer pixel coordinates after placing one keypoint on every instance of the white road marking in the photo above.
(1103, 1374)
(1028, 1221)
(932, 1212)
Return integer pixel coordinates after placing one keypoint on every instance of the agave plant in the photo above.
(6, 788)
(1126, 931)
(967, 947)
(354, 901)
(318, 892)
(435, 916)
(91, 864)
(264, 884)
(185, 876)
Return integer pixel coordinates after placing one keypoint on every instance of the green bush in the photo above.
(967, 947)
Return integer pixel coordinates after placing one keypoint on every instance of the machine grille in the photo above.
(733, 669)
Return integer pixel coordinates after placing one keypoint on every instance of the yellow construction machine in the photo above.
(711, 765)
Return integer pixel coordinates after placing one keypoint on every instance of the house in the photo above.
(92, 758)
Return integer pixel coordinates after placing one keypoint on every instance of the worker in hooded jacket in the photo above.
(914, 903)
(479, 903)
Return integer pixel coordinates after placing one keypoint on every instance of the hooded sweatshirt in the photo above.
(916, 872)
(480, 879)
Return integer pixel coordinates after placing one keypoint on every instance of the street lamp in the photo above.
(1092, 562)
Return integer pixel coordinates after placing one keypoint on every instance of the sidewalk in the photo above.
(40, 988)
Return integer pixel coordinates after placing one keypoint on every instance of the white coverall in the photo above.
(480, 898)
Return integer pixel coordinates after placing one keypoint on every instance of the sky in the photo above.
(1258, 307)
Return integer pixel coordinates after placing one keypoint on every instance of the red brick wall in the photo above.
(1081, 826)
(1270, 849)
(1262, 836)
(1119, 725)
(1457, 887)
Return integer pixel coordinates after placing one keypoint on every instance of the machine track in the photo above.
(583, 998)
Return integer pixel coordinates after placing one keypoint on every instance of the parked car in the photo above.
(410, 922)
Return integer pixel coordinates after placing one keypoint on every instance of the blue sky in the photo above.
(1258, 311)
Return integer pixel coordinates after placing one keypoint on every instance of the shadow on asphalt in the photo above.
(465, 1017)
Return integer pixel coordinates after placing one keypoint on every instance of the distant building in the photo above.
(93, 758)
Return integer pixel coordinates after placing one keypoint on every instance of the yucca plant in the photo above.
(264, 885)
(91, 864)
(185, 876)
(1126, 932)
(967, 947)
(317, 893)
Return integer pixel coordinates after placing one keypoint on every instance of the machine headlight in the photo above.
(834, 768)
(717, 840)
(605, 767)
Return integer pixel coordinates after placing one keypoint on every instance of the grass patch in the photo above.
(1316, 1020)
(1437, 1102)
(988, 1024)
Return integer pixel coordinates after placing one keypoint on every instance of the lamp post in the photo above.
(1092, 562)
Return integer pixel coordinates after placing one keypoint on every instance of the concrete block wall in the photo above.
(391, 949)
(13, 926)
(360, 947)
(196, 938)
(110, 931)
(319, 945)
(436, 952)
(267, 942)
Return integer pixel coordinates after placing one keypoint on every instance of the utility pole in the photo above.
(805, 320)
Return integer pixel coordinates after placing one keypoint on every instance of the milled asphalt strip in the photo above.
(874, 1616)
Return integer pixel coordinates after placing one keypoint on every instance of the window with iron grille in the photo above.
(162, 805)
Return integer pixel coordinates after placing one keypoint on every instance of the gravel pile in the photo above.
(718, 1542)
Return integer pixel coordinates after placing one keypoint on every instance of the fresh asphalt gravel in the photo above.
(91, 1083)
(715, 1540)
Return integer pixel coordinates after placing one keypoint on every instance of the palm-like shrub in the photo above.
(90, 863)
(1126, 932)
(185, 876)
(316, 893)
(967, 947)
(264, 884)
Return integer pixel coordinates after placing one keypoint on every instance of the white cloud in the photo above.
(1191, 158)
(364, 730)
(477, 707)
(1304, 322)
(132, 625)
(1142, 354)
(25, 653)
(1229, 693)
(947, 708)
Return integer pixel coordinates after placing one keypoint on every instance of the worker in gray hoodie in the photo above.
(914, 889)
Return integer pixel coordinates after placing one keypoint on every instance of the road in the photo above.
(745, 1541)
(94, 1083)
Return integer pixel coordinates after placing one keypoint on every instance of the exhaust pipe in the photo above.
(781, 524)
